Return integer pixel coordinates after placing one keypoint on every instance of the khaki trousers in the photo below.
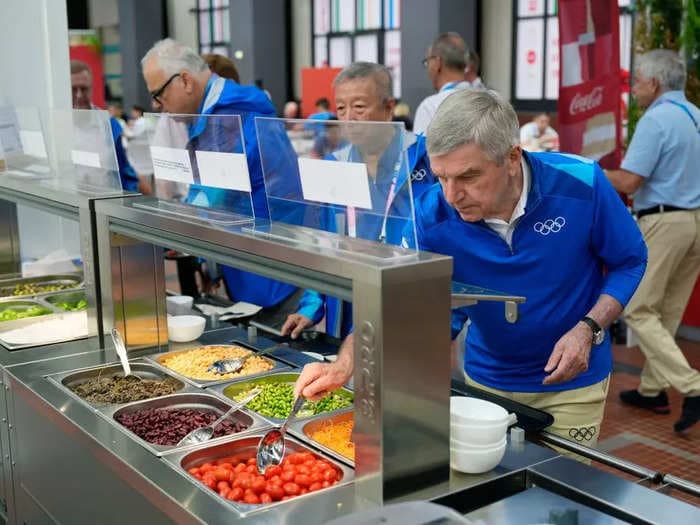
(656, 309)
(577, 413)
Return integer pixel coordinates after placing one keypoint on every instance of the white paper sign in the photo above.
(85, 158)
(335, 182)
(9, 135)
(223, 170)
(33, 143)
(172, 164)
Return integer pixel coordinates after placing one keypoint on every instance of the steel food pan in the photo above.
(65, 297)
(160, 357)
(140, 368)
(243, 448)
(69, 281)
(193, 400)
(304, 428)
(229, 390)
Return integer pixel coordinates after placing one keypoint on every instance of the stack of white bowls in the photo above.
(477, 434)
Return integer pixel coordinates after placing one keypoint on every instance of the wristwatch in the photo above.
(598, 332)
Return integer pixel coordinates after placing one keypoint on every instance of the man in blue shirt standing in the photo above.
(660, 171)
(180, 82)
(537, 225)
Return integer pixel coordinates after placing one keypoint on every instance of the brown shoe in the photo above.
(657, 404)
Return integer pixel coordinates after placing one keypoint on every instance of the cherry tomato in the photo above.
(291, 488)
(304, 490)
(236, 494)
(223, 485)
(251, 461)
(221, 474)
(194, 471)
(258, 485)
(288, 475)
(251, 468)
(303, 469)
(315, 486)
(273, 470)
(224, 492)
(330, 475)
(251, 499)
(316, 477)
(275, 491)
(326, 484)
(239, 468)
(276, 479)
(303, 480)
(265, 498)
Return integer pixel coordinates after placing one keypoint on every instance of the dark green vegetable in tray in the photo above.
(276, 401)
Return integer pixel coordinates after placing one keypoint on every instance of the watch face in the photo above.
(599, 337)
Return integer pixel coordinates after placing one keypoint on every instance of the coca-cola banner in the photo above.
(589, 87)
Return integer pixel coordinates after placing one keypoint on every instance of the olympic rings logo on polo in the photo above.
(549, 226)
(419, 175)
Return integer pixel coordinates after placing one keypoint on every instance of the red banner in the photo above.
(589, 80)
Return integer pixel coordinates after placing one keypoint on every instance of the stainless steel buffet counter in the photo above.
(75, 466)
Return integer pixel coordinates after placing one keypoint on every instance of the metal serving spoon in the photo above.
(229, 366)
(202, 434)
(271, 447)
(121, 352)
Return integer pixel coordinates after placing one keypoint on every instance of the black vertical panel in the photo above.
(78, 14)
(421, 22)
(141, 24)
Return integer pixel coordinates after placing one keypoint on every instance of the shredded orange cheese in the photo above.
(337, 437)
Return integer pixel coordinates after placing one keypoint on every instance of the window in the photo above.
(535, 71)
(346, 31)
(213, 26)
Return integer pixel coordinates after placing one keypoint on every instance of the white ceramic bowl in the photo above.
(483, 434)
(184, 328)
(462, 445)
(472, 411)
(476, 461)
(179, 304)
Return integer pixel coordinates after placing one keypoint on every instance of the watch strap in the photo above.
(594, 326)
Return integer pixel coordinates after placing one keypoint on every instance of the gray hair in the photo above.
(472, 60)
(666, 66)
(474, 116)
(377, 72)
(451, 49)
(174, 57)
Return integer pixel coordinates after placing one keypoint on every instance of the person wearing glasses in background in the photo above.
(81, 88)
(363, 92)
(181, 82)
(445, 62)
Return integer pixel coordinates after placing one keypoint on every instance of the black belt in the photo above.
(661, 208)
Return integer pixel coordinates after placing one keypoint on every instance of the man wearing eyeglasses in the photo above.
(81, 87)
(180, 82)
(445, 62)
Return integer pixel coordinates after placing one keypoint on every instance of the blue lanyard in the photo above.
(448, 86)
(687, 112)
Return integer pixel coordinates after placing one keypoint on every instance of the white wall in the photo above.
(497, 44)
(182, 24)
(302, 38)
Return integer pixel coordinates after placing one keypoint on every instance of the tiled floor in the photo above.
(645, 438)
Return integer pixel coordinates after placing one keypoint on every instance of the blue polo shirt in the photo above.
(665, 150)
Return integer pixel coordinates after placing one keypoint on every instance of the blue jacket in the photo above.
(575, 241)
(369, 226)
(226, 97)
(129, 179)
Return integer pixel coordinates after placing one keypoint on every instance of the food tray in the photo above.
(246, 447)
(139, 368)
(69, 296)
(203, 383)
(71, 281)
(228, 390)
(304, 428)
(196, 400)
